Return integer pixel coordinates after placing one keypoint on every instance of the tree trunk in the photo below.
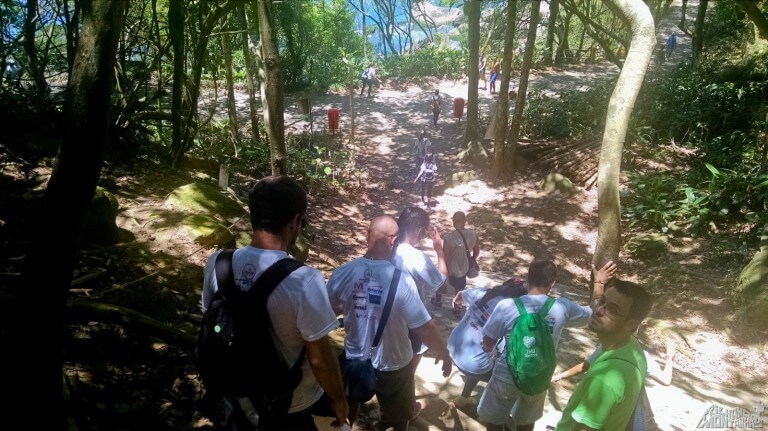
(32, 351)
(756, 16)
(563, 45)
(682, 15)
(502, 108)
(698, 32)
(176, 34)
(272, 89)
(226, 47)
(554, 9)
(517, 118)
(472, 11)
(31, 20)
(640, 20)
(251, 72)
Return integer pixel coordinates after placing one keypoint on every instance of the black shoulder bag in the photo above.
(358, 374)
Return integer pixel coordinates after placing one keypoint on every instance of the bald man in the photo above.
(360, 289)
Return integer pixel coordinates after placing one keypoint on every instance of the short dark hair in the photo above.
(412, 219)
(542, 273)
(274, 201)
(641, 299)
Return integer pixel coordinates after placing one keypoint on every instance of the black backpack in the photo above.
(236, 354)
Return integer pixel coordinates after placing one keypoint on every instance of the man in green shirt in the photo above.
(606, 397)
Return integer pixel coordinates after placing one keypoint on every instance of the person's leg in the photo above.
(472, 380)
(423, 190)
(362, 89)
(527, 410)
(396, 393)
(429, 191)
(496, 403)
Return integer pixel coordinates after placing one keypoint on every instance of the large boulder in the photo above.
(100, 224)
(199, 198)
(647, 246)
(751, 290)
(206, 230)
(558, 182)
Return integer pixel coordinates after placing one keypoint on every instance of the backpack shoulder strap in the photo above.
(225, 278)
(273, 276)
(547, 306)
(520, 307)
(387, 307)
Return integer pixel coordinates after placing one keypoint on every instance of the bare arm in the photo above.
(437, 244)
(325, 367)
(458, 301)
(421, 171)
(665, 377)
(430, 335)
(600, 277)
(476, 249)
(573, 371)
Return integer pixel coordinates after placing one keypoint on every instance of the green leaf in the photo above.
(327, 170)
(712, 169)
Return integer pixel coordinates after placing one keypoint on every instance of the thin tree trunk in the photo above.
(502, 108)
(640, 20)
(176, 34)
(472, 11)
(554, 10)
(698, 32)
(563, 45)
(31, 21)
(251, 72)
(682, 15)
(32, 339)
(226, 47)
(517, 118)
(272, 89)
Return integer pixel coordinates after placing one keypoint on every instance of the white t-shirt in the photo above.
(361, 287)
(466, 340)
(298, 307)
(421, 268)
(455, 253)
(564, 313)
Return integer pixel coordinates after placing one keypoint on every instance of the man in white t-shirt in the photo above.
(501, 397)
(299, 309)
(359, 289)
(456, 250)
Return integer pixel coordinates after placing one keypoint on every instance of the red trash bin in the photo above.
(333, 119)
(458, 108)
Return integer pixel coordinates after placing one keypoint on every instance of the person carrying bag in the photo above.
(474, 268)
(358, 375)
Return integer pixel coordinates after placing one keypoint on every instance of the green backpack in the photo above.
(531, 350)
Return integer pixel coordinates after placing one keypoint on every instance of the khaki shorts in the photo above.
(501, 399)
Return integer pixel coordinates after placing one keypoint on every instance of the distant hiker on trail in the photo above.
(377, 327)
(434, 103)
(495, 71)
(369, 75)
(421, 144)
(427, 174)
(299, 312)
(482, 64)
(671, 44)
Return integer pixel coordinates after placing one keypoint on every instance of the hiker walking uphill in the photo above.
(368, 77)
(296, 317)
(523, 370)
(427, 173)
(381, 305)
(434, 104)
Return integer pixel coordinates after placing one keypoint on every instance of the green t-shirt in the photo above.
(606, 396)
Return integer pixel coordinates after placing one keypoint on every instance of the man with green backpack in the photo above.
(530, 326)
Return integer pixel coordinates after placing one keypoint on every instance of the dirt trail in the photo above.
(717, 365)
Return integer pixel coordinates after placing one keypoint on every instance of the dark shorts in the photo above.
(396, 393)
(299, 421)
(458, 283)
